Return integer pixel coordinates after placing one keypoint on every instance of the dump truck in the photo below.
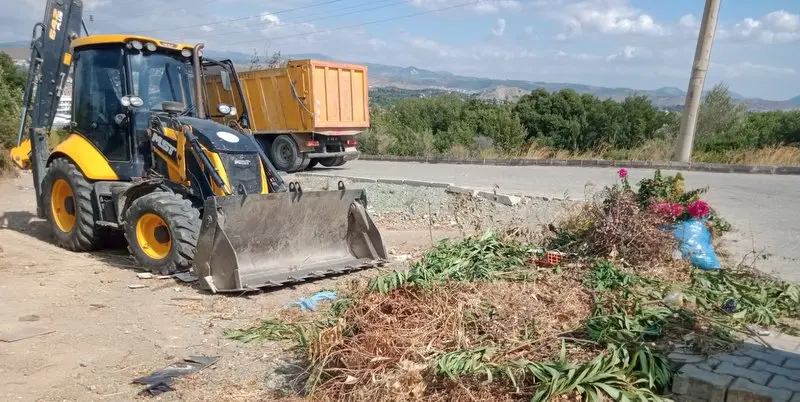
(304, 113)
(143, 158)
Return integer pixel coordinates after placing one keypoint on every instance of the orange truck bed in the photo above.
(306, 96)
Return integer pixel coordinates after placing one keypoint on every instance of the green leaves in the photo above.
(470, 259)
(465, 362)
(610, 374)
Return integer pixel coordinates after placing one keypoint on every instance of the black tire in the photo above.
(182, 223)
(332, 161)
(82, 236)
(286, 155)
(312, 163)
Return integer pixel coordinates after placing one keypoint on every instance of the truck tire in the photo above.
(286, 155)
(313, 163)
(332, 161)
(68, 206)
(161, 229)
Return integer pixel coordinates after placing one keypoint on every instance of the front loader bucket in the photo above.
(249, 242)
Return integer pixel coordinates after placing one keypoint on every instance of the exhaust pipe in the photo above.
(198, 80)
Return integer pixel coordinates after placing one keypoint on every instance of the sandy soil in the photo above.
(104, 333)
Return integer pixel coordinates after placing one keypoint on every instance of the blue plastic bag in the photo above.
(310, 303)
(695, 244)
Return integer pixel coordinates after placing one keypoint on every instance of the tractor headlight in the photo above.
(224, 109)
(233, 111)
(186, 53)
(151, 46)
(136, 44)
(134, 101)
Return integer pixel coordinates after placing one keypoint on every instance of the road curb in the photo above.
(500, 198)
(698, 167)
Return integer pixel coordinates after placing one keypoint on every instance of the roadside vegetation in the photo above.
(568, 125)
(489, 317)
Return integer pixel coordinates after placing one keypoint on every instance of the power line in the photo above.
(361, 24)
(160, 12)
(241, 18)
(294, 23)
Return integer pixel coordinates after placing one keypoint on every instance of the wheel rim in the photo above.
(153, 236)
(62, 203)
(284, 154)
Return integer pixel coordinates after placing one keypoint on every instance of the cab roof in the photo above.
(118, 38)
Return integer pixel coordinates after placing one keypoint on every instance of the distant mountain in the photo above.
(412, 78)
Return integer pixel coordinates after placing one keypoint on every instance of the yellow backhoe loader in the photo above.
(143, 158)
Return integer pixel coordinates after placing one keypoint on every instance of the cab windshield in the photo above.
(159, 77)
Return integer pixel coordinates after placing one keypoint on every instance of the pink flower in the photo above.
(698, 209)
(676, 210)
(623, 173)
(666, 209)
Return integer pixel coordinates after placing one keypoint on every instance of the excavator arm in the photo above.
(48, 70)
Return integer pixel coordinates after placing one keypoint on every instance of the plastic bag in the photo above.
(695, 244)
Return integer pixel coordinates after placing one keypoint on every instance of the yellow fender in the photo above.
(90, 161)
(19, 155)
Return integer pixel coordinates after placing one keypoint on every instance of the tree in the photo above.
(11, 88)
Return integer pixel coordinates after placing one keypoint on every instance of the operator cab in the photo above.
(120, 83)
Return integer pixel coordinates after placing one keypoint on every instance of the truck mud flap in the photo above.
(249, 242)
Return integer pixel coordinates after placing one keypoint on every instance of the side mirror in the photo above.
(226, 80)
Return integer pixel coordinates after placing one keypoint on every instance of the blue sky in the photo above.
(618, 43)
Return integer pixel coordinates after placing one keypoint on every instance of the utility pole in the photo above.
(702, 54)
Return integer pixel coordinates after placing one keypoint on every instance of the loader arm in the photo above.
(50, 61)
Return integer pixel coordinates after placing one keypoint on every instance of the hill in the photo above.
(411, 78)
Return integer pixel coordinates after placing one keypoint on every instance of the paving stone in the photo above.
(710, 364)
(780, 381)
(689, 398)
(742, 361)
(781, 342)
(764, 366)
(687, 357)
(504, 199)
(758, 377)
(760, 352)
(792, 363)
(743, 390)
(693, 381)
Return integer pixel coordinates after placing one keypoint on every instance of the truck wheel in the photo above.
(313, 163)
(333, 161)
(161, 229)
(68, 206)
(285, 154)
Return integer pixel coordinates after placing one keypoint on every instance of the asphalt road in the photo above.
(761, 207)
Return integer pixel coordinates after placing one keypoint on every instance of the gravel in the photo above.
(397, 206)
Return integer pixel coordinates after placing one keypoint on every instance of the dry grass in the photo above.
(657, 150)
(782, 155)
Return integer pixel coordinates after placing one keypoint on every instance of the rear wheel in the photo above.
(313, 163)
(332, 161)
(68, 206)
(286, 155)
(161, 229)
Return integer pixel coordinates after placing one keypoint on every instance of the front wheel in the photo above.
(161, 229)
(68, 206)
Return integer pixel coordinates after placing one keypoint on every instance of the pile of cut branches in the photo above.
(478, 319)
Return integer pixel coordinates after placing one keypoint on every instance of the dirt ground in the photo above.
(102, 333)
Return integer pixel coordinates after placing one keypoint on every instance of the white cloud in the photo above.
(630, 52)
(776, 27)
(500, 28)
(270, 18)
(606, 17)
(689, 21)
(206, 28)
